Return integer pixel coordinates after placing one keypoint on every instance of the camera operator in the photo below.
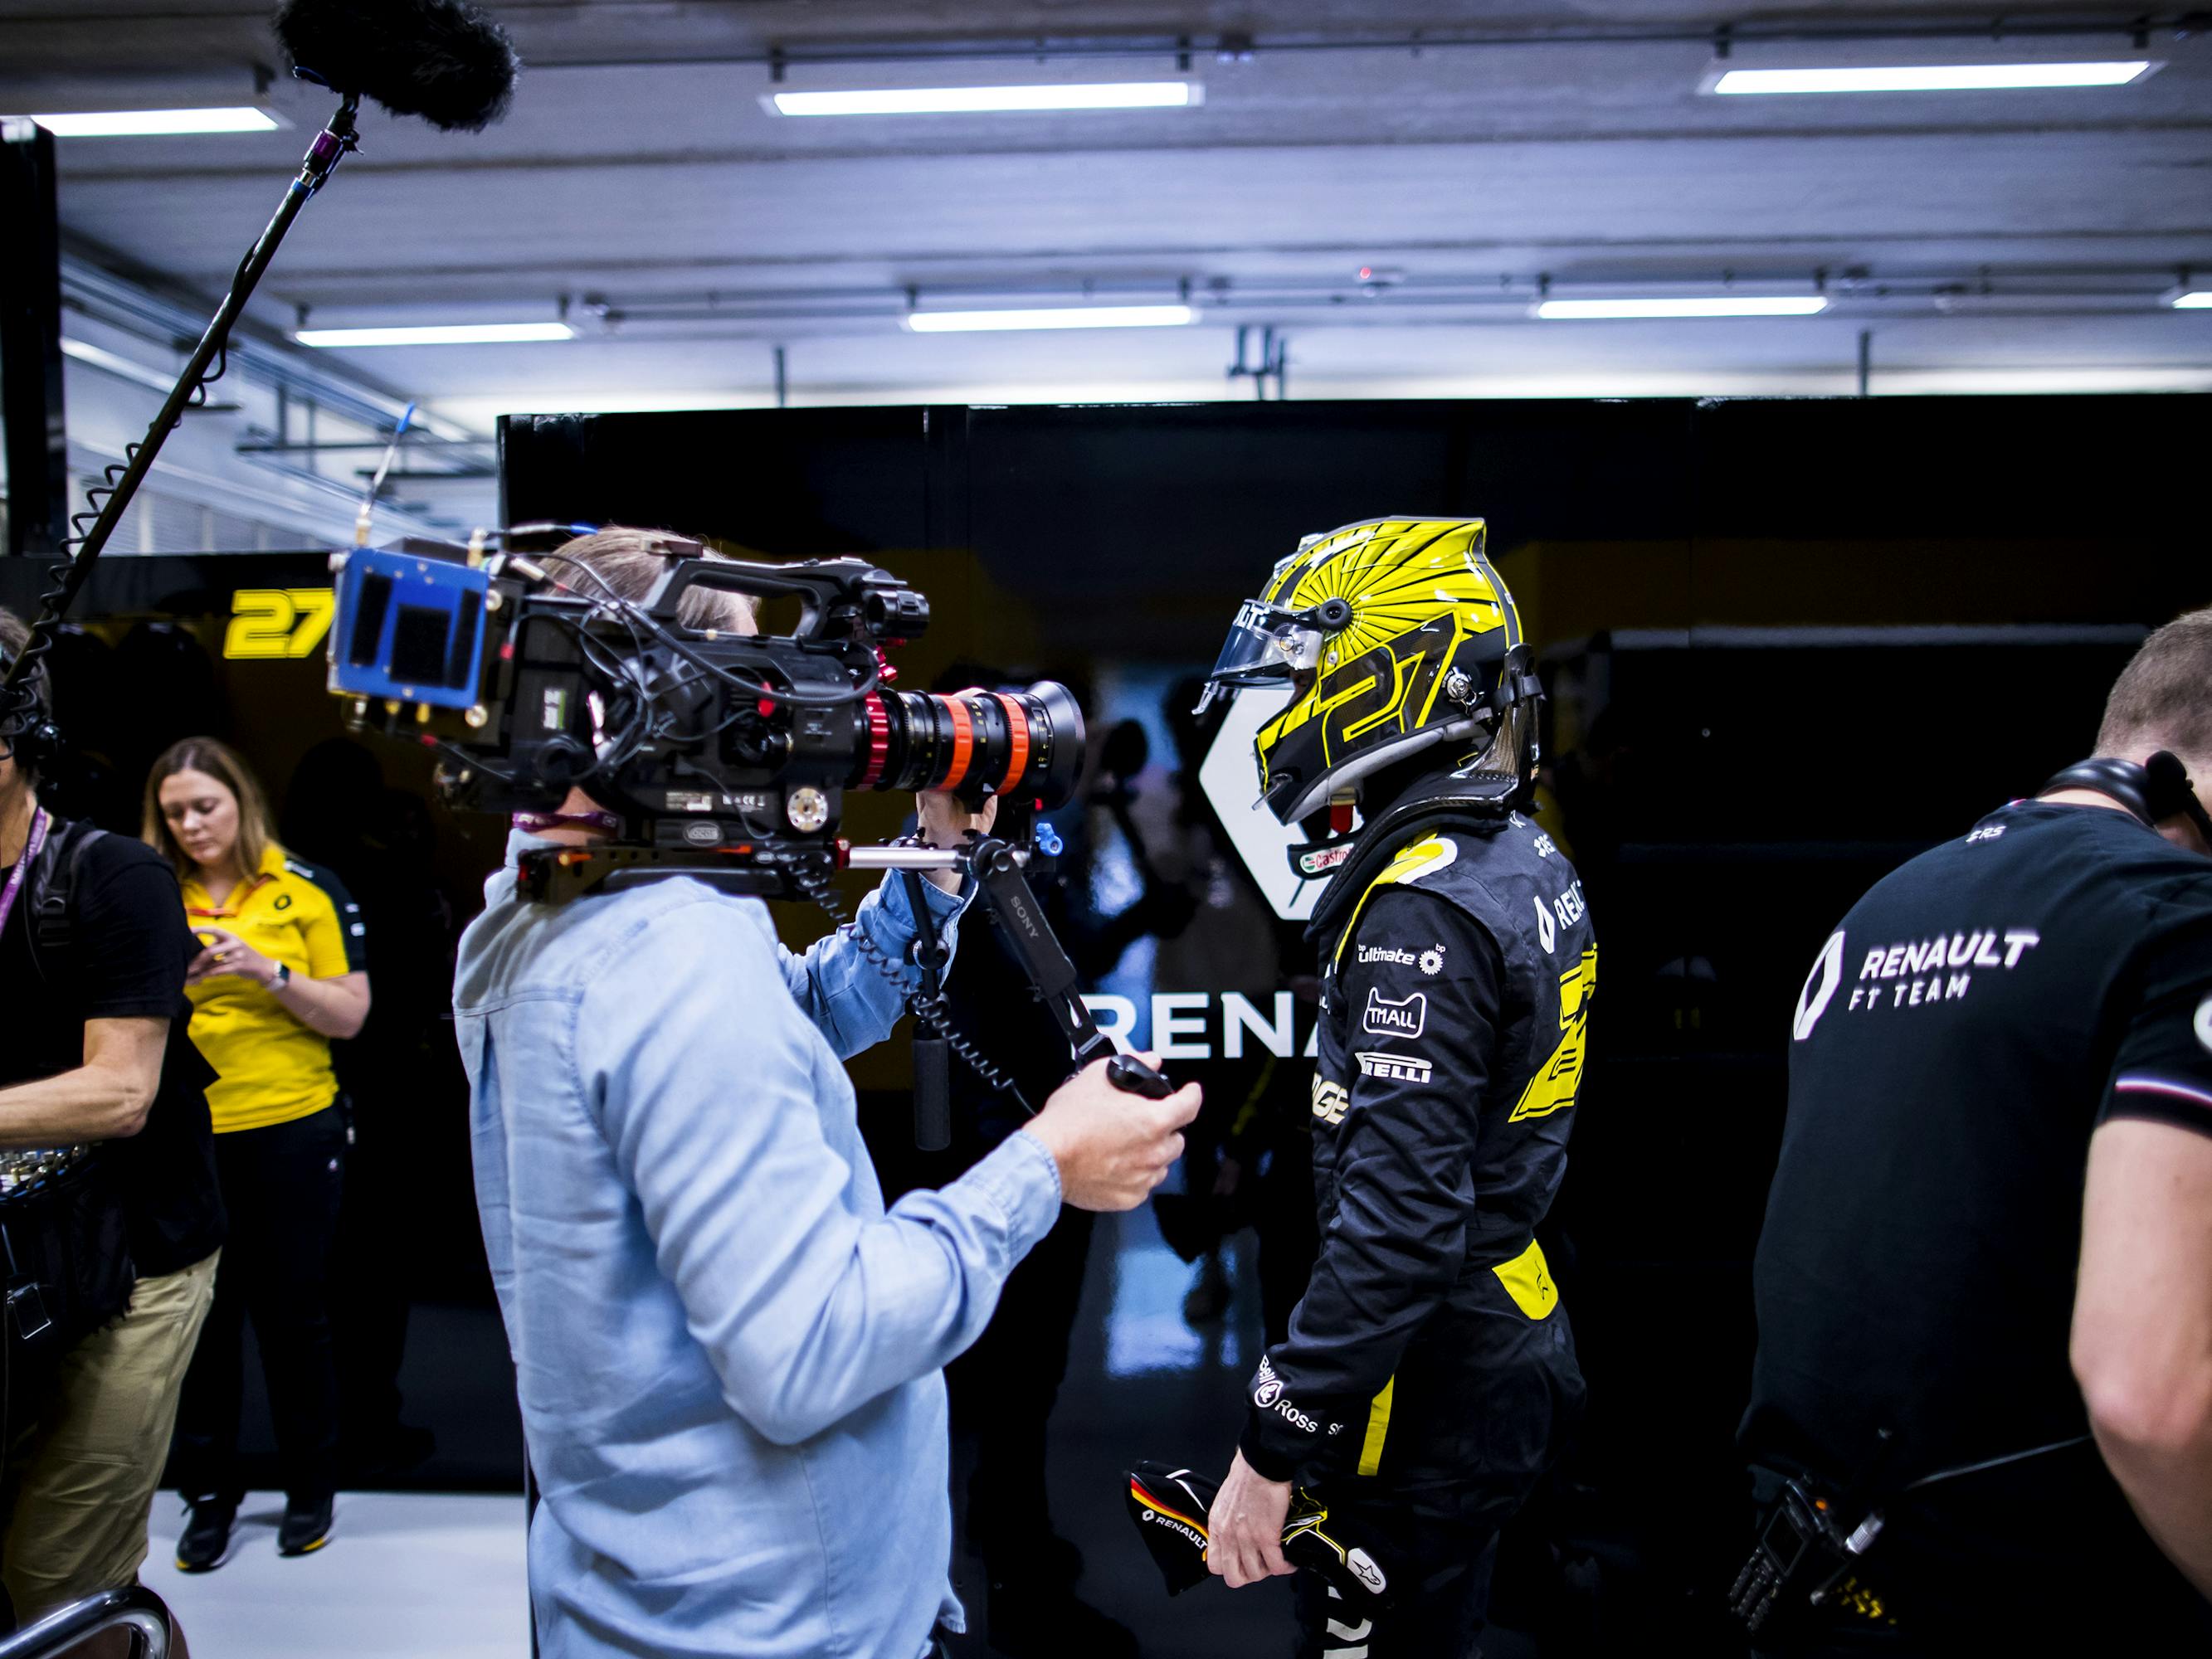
(728, 1352)
(2016, 1018)
(1430, 1371)
(94, 951)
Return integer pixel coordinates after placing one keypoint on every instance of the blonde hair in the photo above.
(627, 562)
(2163, 697)
(219, 760)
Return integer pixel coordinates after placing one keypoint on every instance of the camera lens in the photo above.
(972, 743)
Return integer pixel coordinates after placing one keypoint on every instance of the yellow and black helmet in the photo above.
(1396, 636)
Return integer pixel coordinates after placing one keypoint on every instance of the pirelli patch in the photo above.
(1396, 1068)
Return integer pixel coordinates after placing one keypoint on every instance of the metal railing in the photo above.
(136, 1609)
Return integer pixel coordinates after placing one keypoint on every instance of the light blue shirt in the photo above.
(728, 1353)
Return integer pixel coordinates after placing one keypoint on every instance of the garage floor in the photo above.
(441, 1575)
(405, 1576)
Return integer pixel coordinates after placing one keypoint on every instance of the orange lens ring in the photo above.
(1018, 729)
(963, 743)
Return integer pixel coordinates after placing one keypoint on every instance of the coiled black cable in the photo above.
(54, 599)
(929, 1010)
(206, 365)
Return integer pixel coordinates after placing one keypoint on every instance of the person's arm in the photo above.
(2143, 1306)
(331, 998)
(334, 1007)
(106, 1099)
(704, 1080)
(2143, 1328)
(843, 990)
(846, 993)
(333, 1001)
(129, 946)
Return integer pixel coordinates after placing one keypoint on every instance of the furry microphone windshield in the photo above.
(440, 59)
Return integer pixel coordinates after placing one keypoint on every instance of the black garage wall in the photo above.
(1790, 643)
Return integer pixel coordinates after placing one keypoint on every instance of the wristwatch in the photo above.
(282, 978)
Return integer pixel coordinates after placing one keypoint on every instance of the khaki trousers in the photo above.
(79, 1482)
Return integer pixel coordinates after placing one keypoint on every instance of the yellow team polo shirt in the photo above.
(272, 1068)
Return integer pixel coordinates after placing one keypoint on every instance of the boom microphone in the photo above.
(440, 59)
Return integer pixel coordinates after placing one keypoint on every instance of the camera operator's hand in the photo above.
(1112, 1148)
(941, 821)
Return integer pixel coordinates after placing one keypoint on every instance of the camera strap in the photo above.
(36, 840)
(52, 893)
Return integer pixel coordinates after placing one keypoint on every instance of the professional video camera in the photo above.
(725, 757)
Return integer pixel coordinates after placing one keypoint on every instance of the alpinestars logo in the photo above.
(1403, 1018)
(1363, 1564)
(1396, 1068)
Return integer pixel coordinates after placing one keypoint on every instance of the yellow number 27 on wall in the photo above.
(278, 622)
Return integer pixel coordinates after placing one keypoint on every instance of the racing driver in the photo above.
(1429, 1373)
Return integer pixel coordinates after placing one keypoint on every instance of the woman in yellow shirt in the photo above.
(283, 971)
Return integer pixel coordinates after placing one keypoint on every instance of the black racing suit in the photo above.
(1430, 1371)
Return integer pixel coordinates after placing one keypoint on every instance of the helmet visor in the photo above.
(1267, 646)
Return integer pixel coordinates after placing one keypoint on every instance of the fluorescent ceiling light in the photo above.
(2196, 299)
(990, 100)
(970, 322)
(122, 368)
(437, 334)
(1932, 77)
(1553, 311)
(156, 122)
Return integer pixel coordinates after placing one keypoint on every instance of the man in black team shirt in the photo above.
(2017, 1019)
(93, 952)
(1428, 1374)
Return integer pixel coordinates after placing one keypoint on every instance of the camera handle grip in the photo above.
(1027, 934)
(1131, 1076)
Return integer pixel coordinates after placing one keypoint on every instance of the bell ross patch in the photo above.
(1403, 1018)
